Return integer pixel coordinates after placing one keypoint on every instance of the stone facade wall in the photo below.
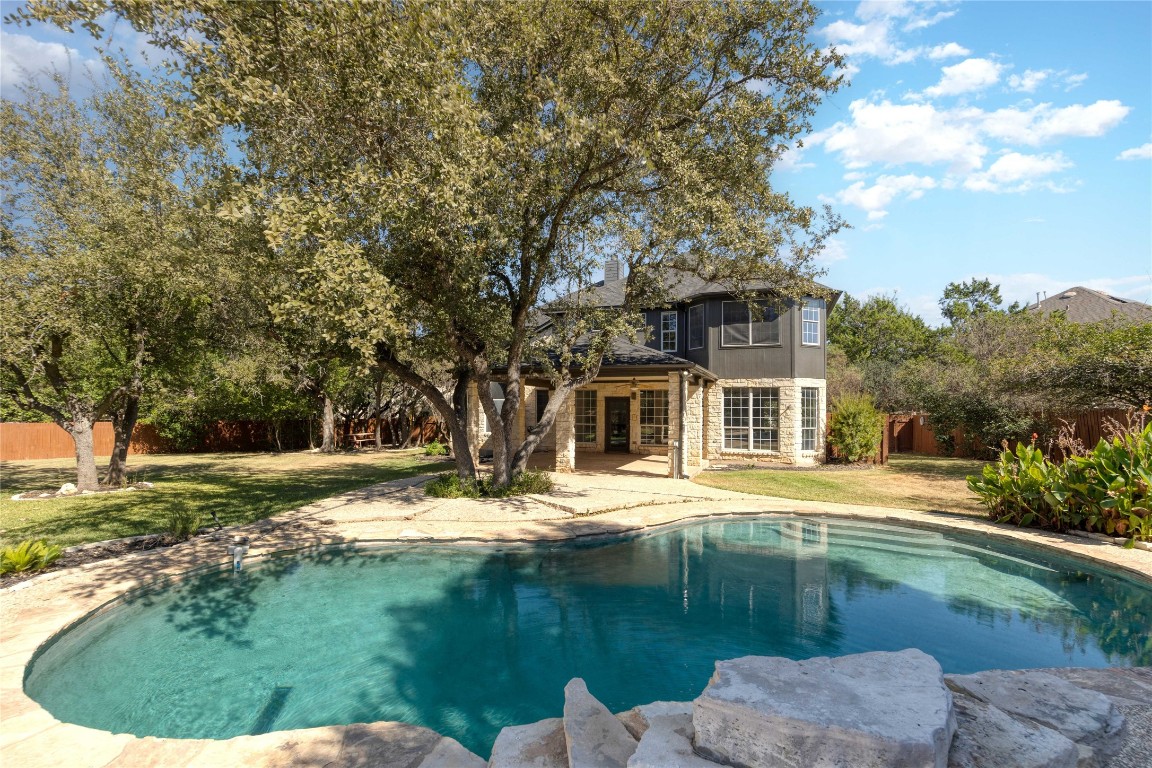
(789, 426)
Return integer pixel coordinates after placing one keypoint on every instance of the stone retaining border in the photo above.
(34, 611)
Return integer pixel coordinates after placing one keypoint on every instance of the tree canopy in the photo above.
(472, 159)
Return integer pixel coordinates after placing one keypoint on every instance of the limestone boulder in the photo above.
(638, 719)
(988, 737)
(868, 710)
(1086, 717)
(449, 753)
(667, 739)
(536, 745)
(594, 736)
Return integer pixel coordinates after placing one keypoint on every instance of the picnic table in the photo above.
(360, 439)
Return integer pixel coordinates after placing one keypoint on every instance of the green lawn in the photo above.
(241, 487)
(927, 483)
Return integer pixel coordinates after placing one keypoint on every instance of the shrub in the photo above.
(1108, 491)
(435, 448)
(533, 481)
(856, 429)
(28, 555)
(182, 522)
(450, 486)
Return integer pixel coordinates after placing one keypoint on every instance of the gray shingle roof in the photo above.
(1084, 305)
(683, 287)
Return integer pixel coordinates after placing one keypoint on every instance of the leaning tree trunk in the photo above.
(123, 423)
(80, 429)
(328, 439)
(378, 395)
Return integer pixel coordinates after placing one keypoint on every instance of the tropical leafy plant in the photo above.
(1107, 491)
(30, 555)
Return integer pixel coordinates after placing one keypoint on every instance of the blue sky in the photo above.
(1010, 140)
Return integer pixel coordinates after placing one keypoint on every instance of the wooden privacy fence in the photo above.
(911, 433)
(20, 441)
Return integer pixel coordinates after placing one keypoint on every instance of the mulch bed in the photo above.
(83, 554)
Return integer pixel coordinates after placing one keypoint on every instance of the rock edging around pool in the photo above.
(871, 709)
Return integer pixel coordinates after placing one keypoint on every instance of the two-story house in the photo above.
(714, 382)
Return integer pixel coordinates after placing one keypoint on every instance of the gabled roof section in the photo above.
(684, 287)
(1084, 305)
(626, 358)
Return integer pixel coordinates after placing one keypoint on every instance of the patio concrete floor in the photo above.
(617, 499)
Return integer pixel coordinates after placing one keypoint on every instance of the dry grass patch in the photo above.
(926, 483)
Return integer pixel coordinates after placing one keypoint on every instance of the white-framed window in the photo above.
(668, 332)
(809, 417)
(751, 419)
(810, 323)
(653, 417)
(586, 416)
(740, 329)
(696, 327)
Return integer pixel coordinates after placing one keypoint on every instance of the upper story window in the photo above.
(810, 323)
(668, 332)
(741, 329)
(696, 327)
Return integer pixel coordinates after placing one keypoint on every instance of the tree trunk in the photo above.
(379, 395)
(81, 431)
(123, 423)
(328, 440)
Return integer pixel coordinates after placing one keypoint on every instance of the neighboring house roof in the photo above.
(683, 287)
(1084, 305)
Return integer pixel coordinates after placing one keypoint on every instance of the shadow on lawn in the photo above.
(236, 496)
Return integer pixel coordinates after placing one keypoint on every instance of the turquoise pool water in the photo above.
(468, 640)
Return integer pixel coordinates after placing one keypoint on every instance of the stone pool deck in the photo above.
(584, 504)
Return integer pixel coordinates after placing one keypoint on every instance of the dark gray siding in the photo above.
(810, 361)
(789, 359)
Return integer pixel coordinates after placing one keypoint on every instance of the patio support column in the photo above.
(565, 428)
(673, 419)
(694, 428)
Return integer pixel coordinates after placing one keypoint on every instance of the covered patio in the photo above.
(633, 464)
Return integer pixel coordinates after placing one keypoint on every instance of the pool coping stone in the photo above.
(32, 612)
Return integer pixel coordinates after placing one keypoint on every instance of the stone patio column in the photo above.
(565, 429)
(673, 419)
(694, 420)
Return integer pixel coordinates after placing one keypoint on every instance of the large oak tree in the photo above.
(481, 158)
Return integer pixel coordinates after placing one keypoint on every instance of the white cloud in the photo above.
(1075, 81)
(947, 51)
(1043, 123)
(834, 250)
(1029, 81)
(864, 40)
(24, 58)
(902, 133)
(792, 159)
(967, 76)
(928, 21)
(1015, 172)
(1137, 153)
(876, 198)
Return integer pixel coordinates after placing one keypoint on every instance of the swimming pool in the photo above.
(466, 640)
